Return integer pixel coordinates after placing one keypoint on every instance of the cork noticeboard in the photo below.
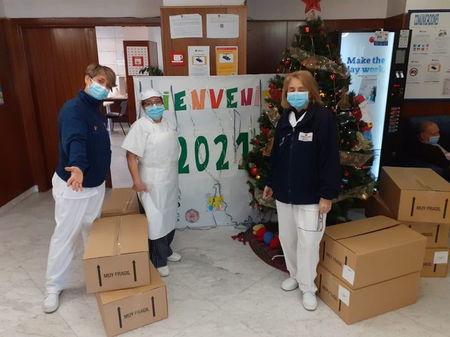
(180, 46)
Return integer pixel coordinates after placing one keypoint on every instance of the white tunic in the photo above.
(156, 145)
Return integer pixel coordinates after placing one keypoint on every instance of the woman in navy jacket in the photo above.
(304, 178)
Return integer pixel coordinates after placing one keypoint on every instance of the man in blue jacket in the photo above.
(79, 180)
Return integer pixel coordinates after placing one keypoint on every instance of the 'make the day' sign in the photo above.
(215, 117)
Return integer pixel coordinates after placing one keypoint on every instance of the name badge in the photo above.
(305, 137)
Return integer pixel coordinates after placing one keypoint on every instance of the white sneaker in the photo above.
(163, 271)
(51, 303)
(175, 257)
(309, 301)
(289, 284)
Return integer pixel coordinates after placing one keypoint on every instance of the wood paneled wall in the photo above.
(16, 169)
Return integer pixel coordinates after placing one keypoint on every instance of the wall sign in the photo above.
(428, 75)
(177, 59)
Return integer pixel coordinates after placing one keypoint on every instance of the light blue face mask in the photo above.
(97, 91)
(298, 99)
(434, 140)
(154, 111)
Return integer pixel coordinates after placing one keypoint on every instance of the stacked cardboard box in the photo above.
(419, 198)
(129, 290)
(120, 201)
(369, 267)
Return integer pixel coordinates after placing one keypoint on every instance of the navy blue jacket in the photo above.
(83, 140)
(304, 164)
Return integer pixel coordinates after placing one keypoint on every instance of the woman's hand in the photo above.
(267, 193)
(325, 205)
(76, 178)
(139, 186)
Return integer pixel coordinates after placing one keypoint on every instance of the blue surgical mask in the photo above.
(154, 111)
(434, 140)
(298, 99)
(97, 91)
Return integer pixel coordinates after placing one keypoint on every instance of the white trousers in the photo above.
(301, 228)
(74, 214)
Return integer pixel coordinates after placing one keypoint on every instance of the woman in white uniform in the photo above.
(305, 177)
(152, 154)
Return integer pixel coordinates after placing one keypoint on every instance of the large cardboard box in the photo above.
(435, 263)
(415, 194)
(116, 254)
(372, 250)
(356, 305)
(436, 233)
(128, 309)
(120, 201)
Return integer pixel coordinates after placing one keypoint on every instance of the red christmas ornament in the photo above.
(333, 76)
(346, 173)
(357, 114)
(359, 99)
(265, 132)
(306, 29)
(254, 171)
(270, 105)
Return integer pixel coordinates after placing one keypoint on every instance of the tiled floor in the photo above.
(119, 170)
(219, 289)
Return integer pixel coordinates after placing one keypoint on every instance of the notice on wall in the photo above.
(199, 64)
(428, 75)
(222, 26)
(185, 26)
(227, 60)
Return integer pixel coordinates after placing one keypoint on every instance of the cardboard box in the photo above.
(116, 254)
(415, 194)
(356, 305)
(120, 201)
(128, 309)
(372, 250)
(435, 263)
(436, 234)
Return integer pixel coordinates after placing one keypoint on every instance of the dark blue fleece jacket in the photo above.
(304, 165)
(83, 140)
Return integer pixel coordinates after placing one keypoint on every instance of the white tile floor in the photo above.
(220, 289)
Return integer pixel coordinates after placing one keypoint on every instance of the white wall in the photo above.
(395, 7)
(428, 4)
(110, 44)
(2, 9)
(331, 9)
(203, 2)
(81, 8)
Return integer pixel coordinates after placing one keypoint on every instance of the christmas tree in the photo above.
(314, 50)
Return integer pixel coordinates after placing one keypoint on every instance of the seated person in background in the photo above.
(429, 150)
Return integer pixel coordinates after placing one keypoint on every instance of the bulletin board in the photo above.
(428, 75)
(178, 48)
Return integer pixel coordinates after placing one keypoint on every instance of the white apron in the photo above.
(158, 168)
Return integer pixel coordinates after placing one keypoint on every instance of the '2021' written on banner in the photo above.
(215, 118)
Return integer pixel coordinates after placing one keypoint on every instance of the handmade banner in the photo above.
(215, 117)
